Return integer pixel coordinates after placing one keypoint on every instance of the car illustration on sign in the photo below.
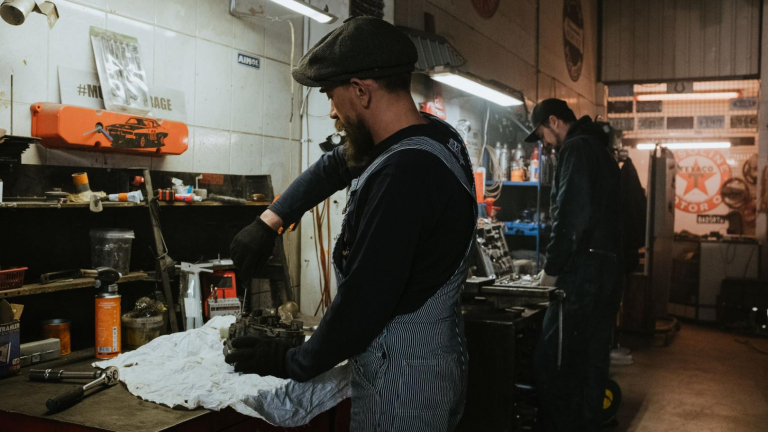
(137, 132)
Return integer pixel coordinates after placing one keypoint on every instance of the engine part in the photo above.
(265, 323)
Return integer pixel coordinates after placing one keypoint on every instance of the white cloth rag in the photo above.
(187, 369)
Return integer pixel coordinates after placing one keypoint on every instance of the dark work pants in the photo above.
(571, 395)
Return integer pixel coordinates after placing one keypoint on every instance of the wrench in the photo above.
(108, 377)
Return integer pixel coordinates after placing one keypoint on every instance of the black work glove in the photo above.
(252, 247)
(259, 355)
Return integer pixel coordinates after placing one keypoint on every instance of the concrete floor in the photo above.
(703, 382)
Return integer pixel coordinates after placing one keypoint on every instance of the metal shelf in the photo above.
(76, 283)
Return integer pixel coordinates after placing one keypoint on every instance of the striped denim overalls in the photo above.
(413, 376)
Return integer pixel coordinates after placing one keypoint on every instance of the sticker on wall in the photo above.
(747, 103)
(167, 103)
(486, 8)
(701, 173)
(711, 219)
(246, 60)
(649, 106)
(710, 122)
(679, 122)
(620, 107)
(623, 124)
(744, 122)
(647, 123)
(573, 37)
(80, 88)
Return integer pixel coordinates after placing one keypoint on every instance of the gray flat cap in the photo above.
(363, 48)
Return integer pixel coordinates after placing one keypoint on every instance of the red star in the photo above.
(696, 179)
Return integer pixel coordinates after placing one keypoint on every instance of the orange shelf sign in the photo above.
(72, 127)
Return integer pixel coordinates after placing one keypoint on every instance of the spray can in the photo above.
(108, 323)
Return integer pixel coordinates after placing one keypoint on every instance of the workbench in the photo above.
(22, 408)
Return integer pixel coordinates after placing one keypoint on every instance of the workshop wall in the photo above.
(238, 116)
(502, 45)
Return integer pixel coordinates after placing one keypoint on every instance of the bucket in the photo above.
(111, 248)
(138, 332)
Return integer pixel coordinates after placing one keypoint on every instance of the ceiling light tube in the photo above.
(473, 86)
(687, 96)
(307, 9)
(686, 145)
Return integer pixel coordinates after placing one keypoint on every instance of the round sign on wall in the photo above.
(701, 174)
(486, 8)
(573, 37)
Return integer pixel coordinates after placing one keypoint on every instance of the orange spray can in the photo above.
(108, 323)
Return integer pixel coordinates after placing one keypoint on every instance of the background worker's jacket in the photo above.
(585, 253)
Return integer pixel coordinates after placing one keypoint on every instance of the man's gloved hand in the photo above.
(259, 355)
(252, 247)
(546, 280)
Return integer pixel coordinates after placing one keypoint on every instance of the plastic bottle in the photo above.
(535, 164)
(498, 158)
(504, 162)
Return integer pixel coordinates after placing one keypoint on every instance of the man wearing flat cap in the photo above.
(401, 257)
(584, 260)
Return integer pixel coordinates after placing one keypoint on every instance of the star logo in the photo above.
(701, 174)
(696, 178)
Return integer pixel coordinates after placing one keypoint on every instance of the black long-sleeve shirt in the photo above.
(585, 198)
(405, 236)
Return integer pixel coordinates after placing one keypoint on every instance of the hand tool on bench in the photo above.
(108, 377)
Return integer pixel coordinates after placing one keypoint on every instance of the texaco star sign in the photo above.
(700, 174)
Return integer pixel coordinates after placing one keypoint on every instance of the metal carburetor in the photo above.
(267, 324)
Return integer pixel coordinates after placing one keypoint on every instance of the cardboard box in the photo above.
(9, 348)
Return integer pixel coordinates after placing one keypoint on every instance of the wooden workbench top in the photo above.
(22, 408)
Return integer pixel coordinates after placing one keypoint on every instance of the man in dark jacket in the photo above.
(584, 261)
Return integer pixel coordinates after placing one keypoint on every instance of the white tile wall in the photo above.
(137, 9)
(277, 98)
(184, 162)
(213, 85)
(173, 66)
(245, 154)
(237, 116)
(69, 42)
(278, 160)
(179, 15)
(212, 151)
(24, 50)
(145, 33)
(247, 97)
(250, 32)
(74, 158)
(278, 35)
(214, 22)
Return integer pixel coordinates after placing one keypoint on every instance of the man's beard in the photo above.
(358, 143)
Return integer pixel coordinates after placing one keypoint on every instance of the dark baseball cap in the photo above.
(363, 48)
(542, 111)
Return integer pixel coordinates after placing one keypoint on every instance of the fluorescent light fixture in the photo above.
(307, 9)
(686, 145)
(473, 86)
(688, 96)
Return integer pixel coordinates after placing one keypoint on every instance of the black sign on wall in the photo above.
(647, 123)
(620, 107)
(649, 106)
(573, 37)
(679, 122)
(744, 122)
